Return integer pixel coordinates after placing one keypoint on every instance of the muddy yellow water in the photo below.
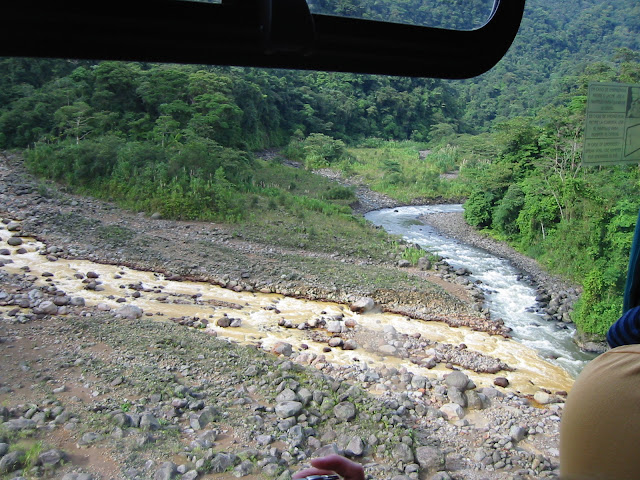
(260, 314)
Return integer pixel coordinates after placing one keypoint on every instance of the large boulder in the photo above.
(345, 411)
(363, 305)
(452, 411)
(11, 461)
(458, 380)
(282, 348)
(288, 409)
(430, 459)
(130, 312)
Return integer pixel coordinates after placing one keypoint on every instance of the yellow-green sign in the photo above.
(612, 130)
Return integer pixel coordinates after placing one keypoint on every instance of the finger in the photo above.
(310, 471)
(341, 465)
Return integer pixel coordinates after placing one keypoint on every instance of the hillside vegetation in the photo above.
(182, 141)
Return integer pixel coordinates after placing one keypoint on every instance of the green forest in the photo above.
(188, 141)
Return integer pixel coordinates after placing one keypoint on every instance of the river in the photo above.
(506, 295)
(259, 316)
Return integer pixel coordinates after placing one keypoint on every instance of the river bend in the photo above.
(507, 296)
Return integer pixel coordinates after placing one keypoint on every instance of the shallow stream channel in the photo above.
(267, 320)
(507, 295)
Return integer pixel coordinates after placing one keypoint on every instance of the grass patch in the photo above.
(115, 235)
(398, 170)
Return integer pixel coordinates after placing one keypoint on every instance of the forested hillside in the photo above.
(182, 140)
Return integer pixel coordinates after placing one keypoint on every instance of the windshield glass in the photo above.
(453, 14)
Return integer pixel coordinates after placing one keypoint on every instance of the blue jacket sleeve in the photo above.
(626, 330)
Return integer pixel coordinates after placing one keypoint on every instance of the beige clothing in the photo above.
(600, 430)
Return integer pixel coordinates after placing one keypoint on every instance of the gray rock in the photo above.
(4, 448)
(388, 349)
(61, 300)
(14, 241)
(402, 453)
(51, 457)
(390, 330)
(19, 424)
(430, 459)
(355, 447)
(207, 438)
(345, 411)
(286, 475)
(424, 263)
(223, 322)
(190, 475)
(517, 433)
(149, 422)
(288, 409)
(77, 301)
(201, 420)
(404, 263)
(287, 395)
(543, 398)
(270, 469)
(335, 326)
(452, 411)
(418, 381)
(350, 345)
(329, 449)
(282, 348)
(363, 305)
(441, 476)
(264, 439)
(167, 471)
(305, 395)
(89, 438)
(456, 396)
(11, 461)
(47, 307)
(245, 468)
(474, 400)
(222, 461)
(296, 436)
(130, 312)
(458, 380)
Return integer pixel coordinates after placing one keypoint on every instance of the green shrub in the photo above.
(478, 208)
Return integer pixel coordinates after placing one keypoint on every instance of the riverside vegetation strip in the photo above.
(110, 397)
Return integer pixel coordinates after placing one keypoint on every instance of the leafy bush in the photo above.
(596, 310)
(507, 211)
(317, 150)
(478, 208)
(339, 193)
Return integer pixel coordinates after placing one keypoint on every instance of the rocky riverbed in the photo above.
(88, 393)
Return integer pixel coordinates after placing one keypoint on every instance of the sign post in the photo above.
(612, 130)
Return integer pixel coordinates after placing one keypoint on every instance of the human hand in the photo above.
(333, 464)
